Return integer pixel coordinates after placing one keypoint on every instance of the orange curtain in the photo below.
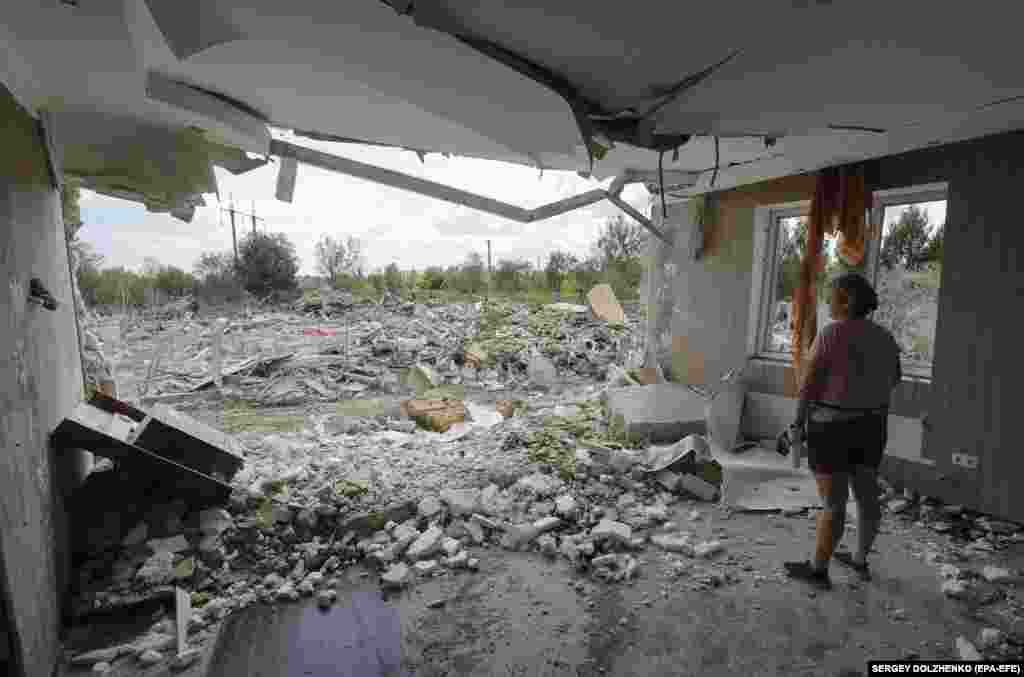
(839, 205)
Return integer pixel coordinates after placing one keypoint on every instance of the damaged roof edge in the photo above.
(335, 163)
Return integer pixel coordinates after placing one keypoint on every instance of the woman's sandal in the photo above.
(846, 559)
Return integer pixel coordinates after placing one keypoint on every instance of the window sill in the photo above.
(911, 374)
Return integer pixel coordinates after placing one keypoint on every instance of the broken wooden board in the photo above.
(253, 363)
(435, 415)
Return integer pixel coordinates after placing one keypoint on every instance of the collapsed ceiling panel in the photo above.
(743, 91)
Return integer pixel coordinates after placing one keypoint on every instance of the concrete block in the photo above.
(663, 412)
(605, 305)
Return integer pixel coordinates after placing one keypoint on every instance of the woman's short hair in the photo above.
(861, 295)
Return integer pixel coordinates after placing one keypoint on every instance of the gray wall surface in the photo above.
(40, 369)
(971, 396)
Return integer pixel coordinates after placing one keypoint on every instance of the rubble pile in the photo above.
(284, 358)
(442, 477)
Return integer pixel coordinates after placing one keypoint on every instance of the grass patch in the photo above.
(350, 489)
(361, 408)
(242, 417)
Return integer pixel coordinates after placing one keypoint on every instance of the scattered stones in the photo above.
(106, 655)
(547, 544)
(540, 485)
(157, 570)
(898, 505)
(425, 567)
(427, 544)
(396, 577)
(996, 574)
(150, 657)
(287, 592)
(955, 589)
(325, 598)
(617, 532)
(450, 546)
(429, 507)
(990, 638)
(461, 501)
(185, 659)
(668, 479)
(678, 542)
(698, 487)
(459, 561)
(566, 506)
(967, 651)
(708, 549)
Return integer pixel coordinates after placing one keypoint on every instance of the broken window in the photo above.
(908, 270)
(905, 265)
(789, 243)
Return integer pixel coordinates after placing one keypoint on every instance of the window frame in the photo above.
(766, 242)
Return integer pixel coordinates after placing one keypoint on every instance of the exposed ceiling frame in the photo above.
(291, 153)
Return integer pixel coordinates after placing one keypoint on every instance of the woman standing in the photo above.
(844, 411)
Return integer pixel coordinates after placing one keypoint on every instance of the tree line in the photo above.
(268, 266)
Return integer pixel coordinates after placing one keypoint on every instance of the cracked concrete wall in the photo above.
(40, 368)
(699, 307)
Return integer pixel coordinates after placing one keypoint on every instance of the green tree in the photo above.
(933, 250)
(511, 275)
(70, 209)
(433, 278)
(558, 266)
(267, 263)
(907, 240)
(173, 281)
(620, 240)
(377, 281)
(393, 277)
(87, 273)
(473, 273)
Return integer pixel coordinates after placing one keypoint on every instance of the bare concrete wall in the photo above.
(41, 375)
(699, 314)
(970, 400)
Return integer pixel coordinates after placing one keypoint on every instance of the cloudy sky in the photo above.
(409, 229)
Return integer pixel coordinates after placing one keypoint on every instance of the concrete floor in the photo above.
(521, 614)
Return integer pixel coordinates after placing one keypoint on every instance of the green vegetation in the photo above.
(240, 416)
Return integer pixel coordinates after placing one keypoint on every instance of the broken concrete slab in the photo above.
(617, 532)
(676, 542)
(605, 305)
(698, 487)
(541, 371)
(427, 544)
(663, 413)
(461, 502)
(668, 479)
(539, 485)
(967, 651)
(397, 576)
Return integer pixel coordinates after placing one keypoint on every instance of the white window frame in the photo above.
(766, 241)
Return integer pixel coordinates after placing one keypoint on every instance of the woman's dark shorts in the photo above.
(858, 439)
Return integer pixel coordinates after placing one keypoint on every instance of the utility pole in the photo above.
(234, 234)
(490, 271)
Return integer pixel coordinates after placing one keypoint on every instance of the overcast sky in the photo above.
(412, 230)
